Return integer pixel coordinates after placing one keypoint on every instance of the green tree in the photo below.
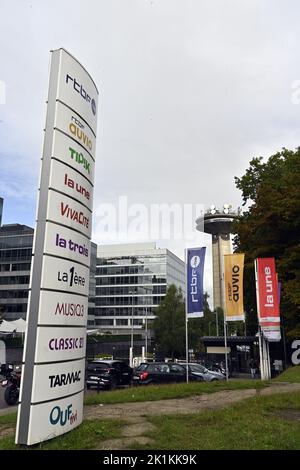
(270, 227)
(169, 324)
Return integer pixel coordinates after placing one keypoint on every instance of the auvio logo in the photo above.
(79, 88)
(70, 245)
(62, 344)
(71, 278)
(76, 128)
(64, 379)
(233, 292)
(69, 310)
(62, 417)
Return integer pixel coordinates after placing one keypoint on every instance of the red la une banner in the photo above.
(267, 292)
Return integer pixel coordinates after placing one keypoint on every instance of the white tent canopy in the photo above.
(16, 326)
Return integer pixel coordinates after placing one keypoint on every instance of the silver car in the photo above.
(201, 371)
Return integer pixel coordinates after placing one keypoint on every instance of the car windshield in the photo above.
(97, 366)
(142, 367)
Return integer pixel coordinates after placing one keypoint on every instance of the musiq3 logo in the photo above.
(79, 88)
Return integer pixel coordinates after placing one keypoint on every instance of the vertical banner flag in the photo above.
(234, 271)
(52, 385)
(194, 277)
(268, 298)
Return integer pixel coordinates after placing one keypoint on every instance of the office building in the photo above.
(131, 281)
(15, 260)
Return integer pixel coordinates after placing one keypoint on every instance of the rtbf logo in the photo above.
(195, 261)
(79, 88)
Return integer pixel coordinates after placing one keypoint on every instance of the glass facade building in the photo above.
(131, 281)
(15, 260)
(16, 242)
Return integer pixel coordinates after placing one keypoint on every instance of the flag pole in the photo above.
(225, 344)
(186, 319)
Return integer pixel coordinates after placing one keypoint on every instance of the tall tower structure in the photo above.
(219, 224)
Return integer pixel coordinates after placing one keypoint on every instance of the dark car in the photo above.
(161, 373)
(108, 374)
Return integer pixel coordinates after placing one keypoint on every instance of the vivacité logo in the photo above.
(62, 417)
(79, 89)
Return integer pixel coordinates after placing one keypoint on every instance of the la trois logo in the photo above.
(70, 245)
(62, 416)
(79, 89)
(233, 292)
(71, 278)
(64, 379)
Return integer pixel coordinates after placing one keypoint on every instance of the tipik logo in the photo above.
(59, 416)
(80, 159)
(79, 88)
(64, 379)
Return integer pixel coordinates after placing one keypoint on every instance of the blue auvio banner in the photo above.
(195, 266)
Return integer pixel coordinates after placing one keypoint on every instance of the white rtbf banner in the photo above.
(51, 396)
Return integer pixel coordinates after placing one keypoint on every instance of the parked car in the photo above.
(108, 374)
(161, 373)
(201, 371)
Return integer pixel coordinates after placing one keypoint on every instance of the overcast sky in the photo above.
(190, 91)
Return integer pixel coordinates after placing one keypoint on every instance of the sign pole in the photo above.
(186, 319)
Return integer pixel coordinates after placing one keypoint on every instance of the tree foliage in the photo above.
(169, 324)
(270, 227)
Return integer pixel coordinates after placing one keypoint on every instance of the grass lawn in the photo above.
(250, 425)
(292, 374)
(164, 392)
(87, 436)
